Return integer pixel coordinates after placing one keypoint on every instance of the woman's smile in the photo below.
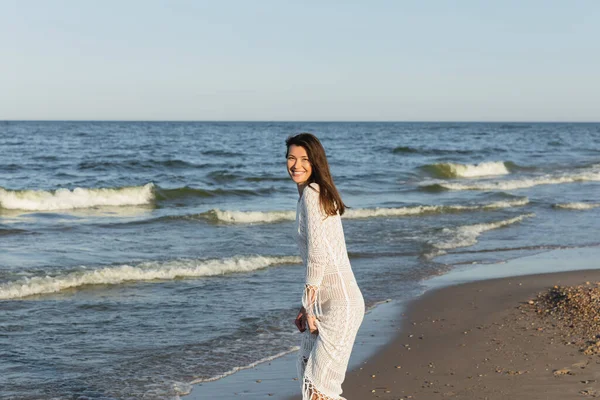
(298, 164)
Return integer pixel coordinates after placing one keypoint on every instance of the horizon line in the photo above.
(305, 121)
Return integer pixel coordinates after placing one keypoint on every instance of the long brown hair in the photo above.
(330, 199)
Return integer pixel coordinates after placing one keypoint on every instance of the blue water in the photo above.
(138, 257)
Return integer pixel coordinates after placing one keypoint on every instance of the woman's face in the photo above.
(298, 164)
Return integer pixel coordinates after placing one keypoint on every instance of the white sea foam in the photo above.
(142, 272)
(247, 217)
(466, 235)
(65, 199)
(452, 170)
(252, 365)
(523, 183)
(419, 210)
(577, 206)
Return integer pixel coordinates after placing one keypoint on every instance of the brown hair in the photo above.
(330, 199)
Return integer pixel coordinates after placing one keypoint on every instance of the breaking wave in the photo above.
(466, 235)
(515, 184)
(65, 199)
(146, 271)
(451, 170)
(577, 206)
(248, 217)
(262, 217)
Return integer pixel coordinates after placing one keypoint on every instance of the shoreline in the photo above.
(277, 378)
(480, 345)
(389, 327)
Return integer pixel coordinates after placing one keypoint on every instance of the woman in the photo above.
(332, 304)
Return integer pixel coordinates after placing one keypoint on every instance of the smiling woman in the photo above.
(298, 165)
(332, 304)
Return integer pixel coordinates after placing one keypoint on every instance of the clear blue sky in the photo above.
(527, 60)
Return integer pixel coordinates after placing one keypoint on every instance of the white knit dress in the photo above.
(338, 305)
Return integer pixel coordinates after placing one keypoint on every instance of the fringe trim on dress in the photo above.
(310, 392)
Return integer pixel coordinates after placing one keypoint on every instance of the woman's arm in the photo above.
(316, 254)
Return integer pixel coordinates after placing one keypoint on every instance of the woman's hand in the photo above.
(300, 320)
(312, 325)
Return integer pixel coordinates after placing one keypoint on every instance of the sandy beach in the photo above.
(479, 341)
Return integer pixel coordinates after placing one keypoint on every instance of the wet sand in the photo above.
(479, 341)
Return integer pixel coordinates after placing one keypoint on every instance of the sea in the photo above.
(140, 258)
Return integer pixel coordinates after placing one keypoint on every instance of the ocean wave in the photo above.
(577, 206)
(466, 235)
(249, 217)
(426, 151)
(186, 191)
(10, 167)
(265, 178)
(223, 176)
(421, 210)
(65, 199)
(405, 149)
(451, 170)
(78, 198)
(518, 248)
(147, 271)
(443, 127)
(133, 164)
(230, 176)
(220, 153)
(514, 126)
(4, 232)
(592, 175)
(15, 143)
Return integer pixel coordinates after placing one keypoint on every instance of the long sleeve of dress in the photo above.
(331, 294)
(316, 258)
